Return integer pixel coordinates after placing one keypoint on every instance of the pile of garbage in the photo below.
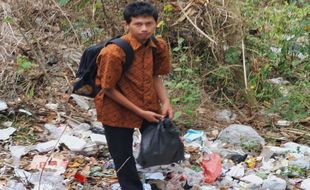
(75, 156)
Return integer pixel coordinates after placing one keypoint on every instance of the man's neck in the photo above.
(146, 42)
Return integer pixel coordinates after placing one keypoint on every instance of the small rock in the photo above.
(305, 184)
(55, 131)
(82, 127)
(237, 158)
(208, 188)
(267, 165)
(80, 101)
(70, 55)
(214, 133)
(302, 162)
(187, 156)
(97, 130)
(243, 136)
(97, 124)
(86, 34)
(92, 113)
(90, 149)
(6, 133)
(3, 105)
(278, 80)
(302, 56)
(51, 106)
(269, 151)
(252, 179)
(7, 124)
(52, 60)
(227, 181)
(12, 184)
(155, 176)
(283, 123)
(158, 184)
(236, 171)
(226, 115)
(25, 112)
(274, 183)
(17, 152)
(116, 186)
(73, 143)
(98, 139)
(201, 110)
(275, 50)
(294, 147)
(46, 146)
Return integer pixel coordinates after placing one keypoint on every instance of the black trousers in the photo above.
(120, 147)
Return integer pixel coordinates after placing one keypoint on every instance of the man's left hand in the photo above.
(167, 110)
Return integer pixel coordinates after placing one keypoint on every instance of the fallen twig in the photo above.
(71, 69)
(65, 116)
(123, 164)
(296, 131)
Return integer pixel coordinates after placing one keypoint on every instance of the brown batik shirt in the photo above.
(137, 84)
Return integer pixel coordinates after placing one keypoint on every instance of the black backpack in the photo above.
(86, 85)
(87, 71)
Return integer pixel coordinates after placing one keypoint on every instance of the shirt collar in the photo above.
(135, 44)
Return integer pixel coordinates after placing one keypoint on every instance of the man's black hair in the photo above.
(139, 9)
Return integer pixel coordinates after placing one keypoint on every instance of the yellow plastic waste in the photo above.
(251, 162)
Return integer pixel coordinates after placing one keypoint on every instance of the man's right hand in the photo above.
(151, 116)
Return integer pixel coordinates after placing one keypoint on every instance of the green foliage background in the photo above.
(276, 36)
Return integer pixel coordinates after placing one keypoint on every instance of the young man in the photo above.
(130, 99)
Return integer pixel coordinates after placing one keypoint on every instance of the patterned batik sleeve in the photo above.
(110, 61)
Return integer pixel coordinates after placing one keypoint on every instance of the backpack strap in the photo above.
(126, 48)
(153, 38)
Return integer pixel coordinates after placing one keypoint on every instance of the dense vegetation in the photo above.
(207, 64)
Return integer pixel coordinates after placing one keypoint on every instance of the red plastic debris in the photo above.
(79, 177)
(212, 167)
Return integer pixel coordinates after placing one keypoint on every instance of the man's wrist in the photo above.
(165, 102)
(140, 112)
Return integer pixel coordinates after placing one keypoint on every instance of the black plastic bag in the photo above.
(160, 144)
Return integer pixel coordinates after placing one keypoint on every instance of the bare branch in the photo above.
(38, 58)
(195, 26)
(70, 23)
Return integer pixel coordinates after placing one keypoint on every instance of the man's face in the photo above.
(142, 27)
